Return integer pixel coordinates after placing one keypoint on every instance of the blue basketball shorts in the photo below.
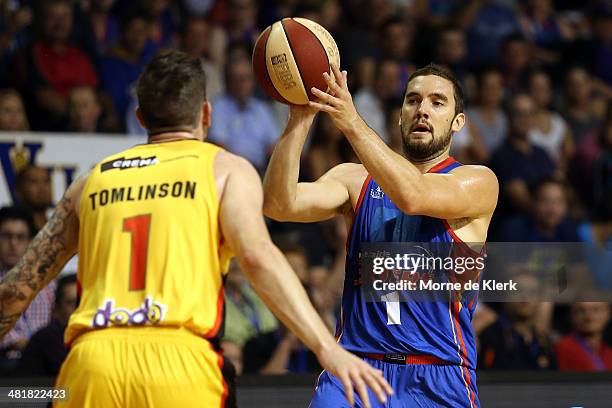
(414, 385)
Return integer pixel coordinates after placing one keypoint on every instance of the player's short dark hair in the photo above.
(19, 214)
(171, 91)
(442, 72)
(61, 283)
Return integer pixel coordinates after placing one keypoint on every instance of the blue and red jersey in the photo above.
(441, 329)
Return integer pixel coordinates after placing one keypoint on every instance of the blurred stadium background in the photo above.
(67, 76)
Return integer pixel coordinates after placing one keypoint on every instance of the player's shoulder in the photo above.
(476, 172)
(347, 172)
(227, 162)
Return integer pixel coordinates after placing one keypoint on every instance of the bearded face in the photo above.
(428, 118)
(421, 142)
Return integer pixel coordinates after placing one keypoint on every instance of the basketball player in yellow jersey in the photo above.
(154, 227)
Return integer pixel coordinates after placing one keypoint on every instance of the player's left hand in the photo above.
(337, 101)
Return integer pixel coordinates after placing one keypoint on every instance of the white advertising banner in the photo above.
(66, 155)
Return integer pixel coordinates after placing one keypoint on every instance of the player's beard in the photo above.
(419, 150)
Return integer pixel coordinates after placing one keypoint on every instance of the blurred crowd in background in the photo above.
(537, 76)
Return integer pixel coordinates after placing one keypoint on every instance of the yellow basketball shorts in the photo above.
(142, 367)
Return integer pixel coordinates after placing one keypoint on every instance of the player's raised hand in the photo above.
(337, 101)
(302, 114)
(355, 374)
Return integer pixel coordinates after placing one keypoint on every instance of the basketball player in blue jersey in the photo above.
(426, 350)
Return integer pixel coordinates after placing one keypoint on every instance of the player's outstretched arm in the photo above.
(467, 192)
(43, 259)
(287, 200)
(277, 285)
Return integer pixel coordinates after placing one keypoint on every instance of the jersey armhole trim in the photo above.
(364, 186)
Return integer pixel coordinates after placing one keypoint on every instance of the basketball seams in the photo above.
(324, 37)
(306, 91)
(284, 68)
(259, 58)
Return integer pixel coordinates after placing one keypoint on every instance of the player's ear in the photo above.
(458, 122)
(206, 114)
(139, 117)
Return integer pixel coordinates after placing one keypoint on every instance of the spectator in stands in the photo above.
(486, 123)
(101, 25)
(578, 107)
(240, 121)
(246, 319)
(55, 66)
(549, 130)
(242, 22)
(324, 151)
(84, 110)
(46, 351)
(16, 231)
(437, 13)
(513, 342)
(397, 36)
(602, 179)
(590, 169)
(161, 17)
(545, 29)
(591, 47)
(15, 21)
(451, 51)
(487, 23)
(518, 164)
(585, 349)
(515, 56)
(371, 102)
(548, 220)
(195, 41)
(290, 355)
(12, 112)
(121, 66)
(33, 192)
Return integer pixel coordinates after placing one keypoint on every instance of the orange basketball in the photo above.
(290, 58)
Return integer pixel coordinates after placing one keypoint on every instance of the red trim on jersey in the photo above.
(414, 359)
(464, 355)
(215, 329)
(225, 387)
(460, 241)
(444, 163)
(357, 207)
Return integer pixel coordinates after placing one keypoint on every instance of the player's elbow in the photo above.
(276, 210)
(413, 200)
(254, 260)
(410, 204)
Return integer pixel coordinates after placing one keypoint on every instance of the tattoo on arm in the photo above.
(48, 252)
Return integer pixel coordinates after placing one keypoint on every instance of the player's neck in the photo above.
(172, 136)
(425, 166)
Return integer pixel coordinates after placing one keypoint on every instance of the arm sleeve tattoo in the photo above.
(43, 259)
